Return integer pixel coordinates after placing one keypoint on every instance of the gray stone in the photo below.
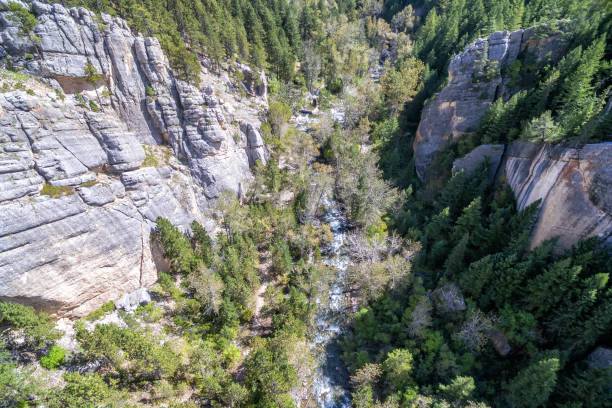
(475, 81)
(130, 301)
(255, 144)
(471, 161)
(97, 195)
(70, 254)
(574, 186)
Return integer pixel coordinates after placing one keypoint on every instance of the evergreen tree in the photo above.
(532, 386)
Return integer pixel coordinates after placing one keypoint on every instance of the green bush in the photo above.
(37, 327)
(26, 20)
(54, 359)
(101, 311)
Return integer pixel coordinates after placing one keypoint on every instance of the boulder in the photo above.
(471, 161)
(130, 301)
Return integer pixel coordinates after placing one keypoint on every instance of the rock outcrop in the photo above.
(574, 184)
(86, 166)
(476, 78)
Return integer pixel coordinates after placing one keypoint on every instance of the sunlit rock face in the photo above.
(573, 184)
(476, 78)
(87, 166)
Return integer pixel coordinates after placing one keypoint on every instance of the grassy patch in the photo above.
(89, 183)
(55, 191)
(150, 159)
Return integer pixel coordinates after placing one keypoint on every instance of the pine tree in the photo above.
(456, 260)
(469, 221)
(532, 386)
(549, 288)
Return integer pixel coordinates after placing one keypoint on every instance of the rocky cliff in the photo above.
(476, 78)
(87, 162)
(574, 183)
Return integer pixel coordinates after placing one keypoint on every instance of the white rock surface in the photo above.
(68, 254)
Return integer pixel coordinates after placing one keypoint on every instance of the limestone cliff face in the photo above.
(476, 78)
(574, 184)
(85, 169)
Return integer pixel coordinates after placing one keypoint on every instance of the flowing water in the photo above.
(330, 385)
(329, 389)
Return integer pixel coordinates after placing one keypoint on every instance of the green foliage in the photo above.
(83, 391)
(23, 16)
(531, 387)
(149, 91)
(530, 300)
(92, 74)
(176, 246)
(459, 389)
(269, 374)
(401, 84)
(101, 311)
(16, 383)
(262, 33)
(150, 159)
(54, 358)
(37, 328)
(133, 354)
(397, 367)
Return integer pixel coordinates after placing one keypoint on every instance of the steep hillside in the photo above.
(99, 139)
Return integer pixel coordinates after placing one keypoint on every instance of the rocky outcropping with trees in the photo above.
(572, 179)
(98, 138)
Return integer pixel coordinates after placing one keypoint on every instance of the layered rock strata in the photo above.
(573, 184)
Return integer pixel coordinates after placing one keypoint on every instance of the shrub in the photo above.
(150, 92)
(101, 311)
(26, 20)
(37, 327)
(150, 159)
(54, 359)
(83, 391)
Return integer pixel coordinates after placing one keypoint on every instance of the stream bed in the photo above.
(331, 377)
(329, 387)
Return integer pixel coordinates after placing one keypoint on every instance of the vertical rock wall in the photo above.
(85, 169)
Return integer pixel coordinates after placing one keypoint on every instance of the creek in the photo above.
(331, 377)
(329, 387)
